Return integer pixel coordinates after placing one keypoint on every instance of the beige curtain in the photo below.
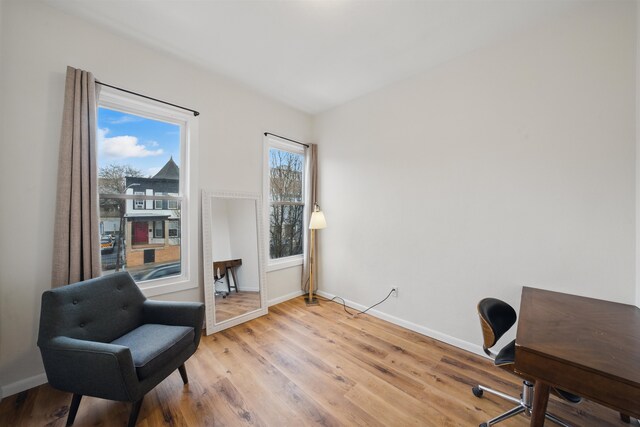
(76, 250)
(311, 192)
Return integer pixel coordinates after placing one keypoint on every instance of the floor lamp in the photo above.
(316, 222)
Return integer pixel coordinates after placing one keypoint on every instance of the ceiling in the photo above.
(316, 54)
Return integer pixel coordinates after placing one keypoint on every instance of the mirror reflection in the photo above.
(235, 261)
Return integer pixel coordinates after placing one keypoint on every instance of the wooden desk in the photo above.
(227, 266)
(583, 345)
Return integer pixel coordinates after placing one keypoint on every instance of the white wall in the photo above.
(38, 42)
(221, 241)
(244, 242)
(513, 165)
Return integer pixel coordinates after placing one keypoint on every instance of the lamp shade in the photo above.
(317, 220)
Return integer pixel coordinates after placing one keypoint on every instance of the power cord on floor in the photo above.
(357, 313)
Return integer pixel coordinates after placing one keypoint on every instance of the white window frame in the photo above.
(127, 103)
(272, 141)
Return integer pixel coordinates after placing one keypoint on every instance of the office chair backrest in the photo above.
(496, 318)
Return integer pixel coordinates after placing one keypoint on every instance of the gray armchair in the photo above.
(103, 338)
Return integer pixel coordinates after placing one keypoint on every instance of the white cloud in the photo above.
(151, 143)
(102, 133)
(123, 146)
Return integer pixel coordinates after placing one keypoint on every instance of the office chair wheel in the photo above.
(477, 392)
(484, 425)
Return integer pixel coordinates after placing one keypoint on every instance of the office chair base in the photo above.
(524, 404)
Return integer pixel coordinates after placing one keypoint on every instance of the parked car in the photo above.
(160, 272)
(107, 243)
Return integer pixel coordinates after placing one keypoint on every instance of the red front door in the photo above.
(140, 233)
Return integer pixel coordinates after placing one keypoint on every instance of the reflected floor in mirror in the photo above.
(236, 304)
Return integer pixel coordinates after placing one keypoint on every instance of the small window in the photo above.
(172, 204)
(286, 198)
(174, 228)
(138, 203)
(157, 204)
(158, 229)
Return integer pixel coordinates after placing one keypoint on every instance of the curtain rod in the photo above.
(297, 142)
(195, 113)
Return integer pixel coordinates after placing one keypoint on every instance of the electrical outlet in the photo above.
(394, 291)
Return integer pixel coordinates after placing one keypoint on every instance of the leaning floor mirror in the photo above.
(234, 271)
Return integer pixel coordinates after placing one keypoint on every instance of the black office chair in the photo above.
(496, 318)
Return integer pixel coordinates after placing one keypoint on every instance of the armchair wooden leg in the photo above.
(183, 373)
(135, 411)
(73, 409)
(624, 417)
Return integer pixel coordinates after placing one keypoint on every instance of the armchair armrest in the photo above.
(90, 368)
(175, 313)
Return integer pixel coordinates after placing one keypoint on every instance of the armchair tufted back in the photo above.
(100, 309)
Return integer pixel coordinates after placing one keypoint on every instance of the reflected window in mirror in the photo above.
(285, 194)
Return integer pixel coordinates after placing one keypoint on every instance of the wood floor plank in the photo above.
(241, 366)
(287, 391)
(319, 379)
(350, 367)
(311, 366)
(353, 362)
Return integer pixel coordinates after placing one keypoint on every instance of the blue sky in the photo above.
(127, 139)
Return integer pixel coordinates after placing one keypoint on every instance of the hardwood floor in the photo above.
(304, 366)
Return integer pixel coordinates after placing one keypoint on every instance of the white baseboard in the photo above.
(22, 385)
(465, 345)
(284, 298)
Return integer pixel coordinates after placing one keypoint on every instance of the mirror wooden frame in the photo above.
(207, 248)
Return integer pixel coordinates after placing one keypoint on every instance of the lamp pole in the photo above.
(310, 299)
(316, 222)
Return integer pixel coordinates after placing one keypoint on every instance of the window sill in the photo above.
(282, 263)
(157, 287)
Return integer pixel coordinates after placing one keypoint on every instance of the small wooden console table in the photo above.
(229, 268)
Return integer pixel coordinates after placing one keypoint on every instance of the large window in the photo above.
(285, 169)
(141, 182)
